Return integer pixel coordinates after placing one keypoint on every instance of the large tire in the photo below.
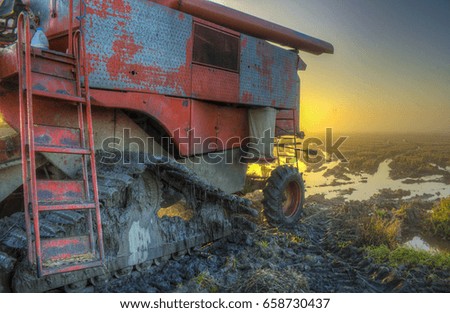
(284, 195)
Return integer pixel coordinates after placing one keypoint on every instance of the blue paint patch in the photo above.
(268, 75)
(43, 140)
(44, 195)
(73, 195)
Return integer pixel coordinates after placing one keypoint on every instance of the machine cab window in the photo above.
(215, 48)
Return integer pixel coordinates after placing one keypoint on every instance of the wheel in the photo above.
(77, 287)
(123, 272)
(180, 254)
(143, 267)
(284, 195)
(161, 260)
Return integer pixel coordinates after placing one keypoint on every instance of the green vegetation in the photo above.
(376, 230)
(267, 280)
(344, 244)
(207, 282)
(439, 219)
(263, 244)
(296, 239)
(409, 257)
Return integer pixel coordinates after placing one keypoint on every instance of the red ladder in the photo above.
(288, 146)
(36, 80)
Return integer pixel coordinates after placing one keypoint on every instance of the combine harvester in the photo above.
(124, 142)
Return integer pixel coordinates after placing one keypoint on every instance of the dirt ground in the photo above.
(313, 256)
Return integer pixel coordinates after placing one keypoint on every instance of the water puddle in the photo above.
(363, 186)
(428, 245)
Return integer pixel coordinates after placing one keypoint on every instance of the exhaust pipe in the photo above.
(249, 25)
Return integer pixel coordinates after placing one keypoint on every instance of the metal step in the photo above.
(67, 254)
(55, 136)
(60, 191)
(59, 96)
(61, 150)
(66, 206)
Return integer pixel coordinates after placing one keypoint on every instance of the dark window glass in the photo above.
(215, 48)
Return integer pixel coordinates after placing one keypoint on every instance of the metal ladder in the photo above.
(290, 116)
(43, 74)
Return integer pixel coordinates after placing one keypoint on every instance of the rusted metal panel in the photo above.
(268, 75)
(214, 84)
(60, 191)
(203, 135)
(138, 45)
(216, 128)
(248, 24)
(232, 127)
(53, 84)
(173, 114)
(52, 64)
(57, 136)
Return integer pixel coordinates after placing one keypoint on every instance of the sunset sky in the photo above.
(390, 70)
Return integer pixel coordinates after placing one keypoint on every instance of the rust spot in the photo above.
(247, 97)
(244, 43)
(104, 9)
(124, 50)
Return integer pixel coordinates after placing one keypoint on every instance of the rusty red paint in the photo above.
(57, 136)
(178, 116)
(103, 9)
(232, 127)
(265, 70)
(60, 191)
(214, 84)
(120, 63)
(247, 97)
(244, 43)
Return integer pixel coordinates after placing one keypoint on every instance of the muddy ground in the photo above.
(313, 256)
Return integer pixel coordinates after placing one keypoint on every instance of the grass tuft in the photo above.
(439, 219)
(409, 257)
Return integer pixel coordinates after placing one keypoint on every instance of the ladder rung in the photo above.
(59, 96)
(66, 206)
(51, 191)
(67, 254)
(57, 136)
(71, 268)
(53, 53)
(62, 150)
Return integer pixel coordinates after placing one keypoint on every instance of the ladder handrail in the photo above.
(23, 23)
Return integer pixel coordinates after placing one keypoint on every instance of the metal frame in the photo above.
(295, 139)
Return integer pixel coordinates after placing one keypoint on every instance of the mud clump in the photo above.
(273, 281)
